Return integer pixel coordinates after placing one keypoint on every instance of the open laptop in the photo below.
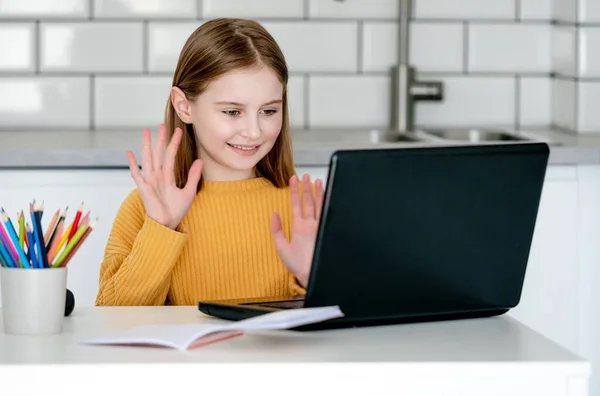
(418, 234)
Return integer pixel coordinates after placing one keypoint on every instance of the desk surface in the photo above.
(492, 356)
(491, 340)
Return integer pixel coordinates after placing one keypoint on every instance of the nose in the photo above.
(252, 130)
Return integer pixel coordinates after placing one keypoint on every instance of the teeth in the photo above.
(243, 148)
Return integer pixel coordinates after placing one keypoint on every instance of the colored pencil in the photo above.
(3, 262)
(53, 247)
(70, 245)
(64, 237)
(51, 227)
(8, 244)
(31, 250)
(54, 236)
(22, 258)
(6, 256)
(21, 230)
(75, 223)
(38, 239)
(87, 232)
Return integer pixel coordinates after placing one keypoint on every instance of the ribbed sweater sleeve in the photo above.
(139, 257)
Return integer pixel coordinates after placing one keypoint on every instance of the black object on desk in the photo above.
(69, 303)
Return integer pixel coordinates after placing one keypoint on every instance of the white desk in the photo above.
(491, 357)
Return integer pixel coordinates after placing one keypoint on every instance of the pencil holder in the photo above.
(33, 301)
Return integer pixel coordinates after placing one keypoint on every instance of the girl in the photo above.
(219, 213)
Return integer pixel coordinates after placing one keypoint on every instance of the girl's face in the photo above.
(237, 121)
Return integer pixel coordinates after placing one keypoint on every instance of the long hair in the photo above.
(217, 47)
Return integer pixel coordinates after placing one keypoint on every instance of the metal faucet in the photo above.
(406, 89)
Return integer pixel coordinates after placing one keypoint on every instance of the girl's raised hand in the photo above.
(165, 203)
(297, 253)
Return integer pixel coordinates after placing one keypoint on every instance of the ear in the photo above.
(181, 105)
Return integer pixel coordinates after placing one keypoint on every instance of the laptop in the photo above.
(417, 234)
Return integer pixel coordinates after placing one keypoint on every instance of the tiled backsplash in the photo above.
(107, 64)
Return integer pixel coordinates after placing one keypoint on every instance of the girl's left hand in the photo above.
(297, 254)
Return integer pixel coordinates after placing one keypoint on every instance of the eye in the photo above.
(269, 111)
(231, 113)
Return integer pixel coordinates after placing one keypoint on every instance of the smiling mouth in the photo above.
(243, 148)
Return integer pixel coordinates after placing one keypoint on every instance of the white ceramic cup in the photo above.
(33, 300)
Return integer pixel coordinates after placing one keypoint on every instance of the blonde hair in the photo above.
(215, 48)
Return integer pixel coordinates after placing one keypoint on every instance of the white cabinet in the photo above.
(549, 302)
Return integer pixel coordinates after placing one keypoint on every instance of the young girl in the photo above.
(219, 213)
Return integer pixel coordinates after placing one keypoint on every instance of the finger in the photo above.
(191, 186)
(134, 169)
(309, 202)
(295, 198)
(171, 153)
(157, 152)
(319, 197)
(146, 152)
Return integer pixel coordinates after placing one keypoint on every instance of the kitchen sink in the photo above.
(475, 135)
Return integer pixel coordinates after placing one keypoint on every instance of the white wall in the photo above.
(65, 63)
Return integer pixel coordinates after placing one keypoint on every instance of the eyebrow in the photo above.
(241, 105)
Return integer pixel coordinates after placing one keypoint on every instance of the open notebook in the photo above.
(188, 336)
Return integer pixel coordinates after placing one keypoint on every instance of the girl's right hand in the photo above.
(165, 203)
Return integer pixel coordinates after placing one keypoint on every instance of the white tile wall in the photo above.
(354, 9)
(17, 47)
(589, 11)
(535, 9)
(187, 9)
(75, 47)
(165, 41)
(589, 43)
(296, 94)
(563, 53)
(565, 10)
(472, 101)
(466, 9)
(433, 46)
(588, 115)
(130, 101)
(258, 9)
(564, 95)
(44, 9)
(535, 100)
(349, 101)
(509, 48)
(112, 60)
(44, 102)
(324, 46)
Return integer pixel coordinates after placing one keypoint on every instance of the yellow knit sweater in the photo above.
(223, 248)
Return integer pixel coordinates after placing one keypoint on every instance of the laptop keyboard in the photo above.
(284, 304)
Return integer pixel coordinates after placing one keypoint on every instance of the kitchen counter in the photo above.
(106, 149)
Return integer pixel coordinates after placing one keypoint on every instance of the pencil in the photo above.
(6, 240)
(70, 245)
(53, 240)
(75, 223)
(53, 247)
(63, 238)
(11, 231)
(31, 251)
(3, 262)
(21, 230)
(51, 227)
(87, 232)
(6, 256)
(37, 236)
